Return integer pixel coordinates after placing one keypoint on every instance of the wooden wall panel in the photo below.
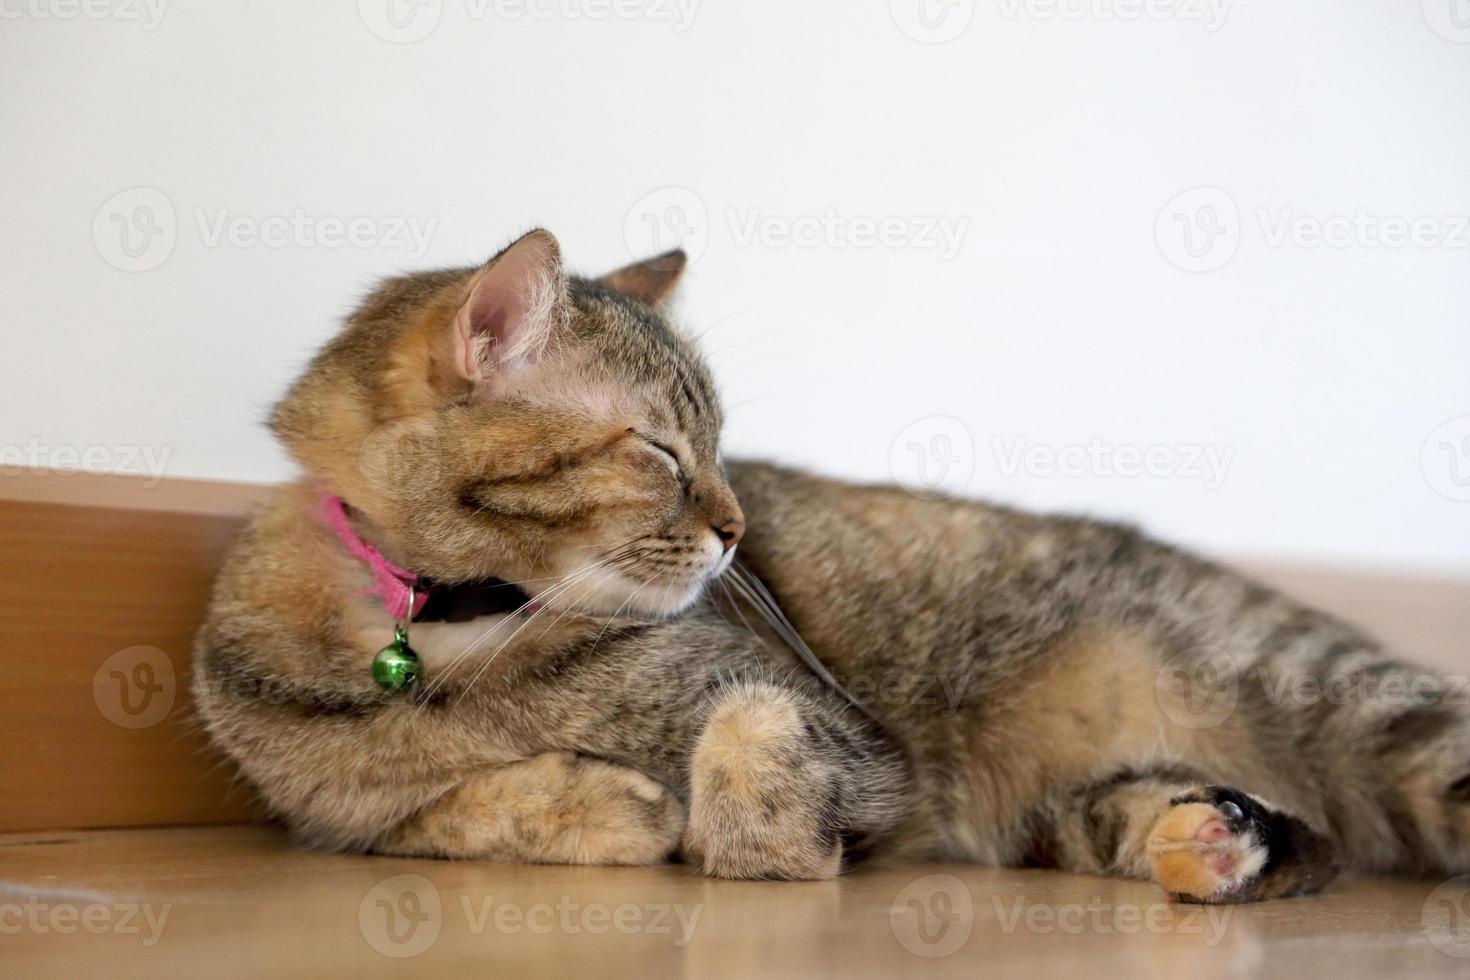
(104, 579)
(97, 609)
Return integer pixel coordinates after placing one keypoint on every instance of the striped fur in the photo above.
(1039, 689)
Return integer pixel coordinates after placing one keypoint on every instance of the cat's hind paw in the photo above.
(1205, 852)
(1219, 845)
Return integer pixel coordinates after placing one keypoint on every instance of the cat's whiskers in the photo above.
(571, 608)
(755, 593)
(553, 592)
(724, 319)
(633, 554)
(734, 604)
(614, 616)
(647, 551)
(570, 579)
(668, 589)
(626, 544)
(624, 550)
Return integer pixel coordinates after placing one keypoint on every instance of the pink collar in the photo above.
(391, 583)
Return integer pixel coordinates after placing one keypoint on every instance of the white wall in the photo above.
(1054, 137)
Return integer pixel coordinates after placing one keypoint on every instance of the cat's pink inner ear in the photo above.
(513, 305)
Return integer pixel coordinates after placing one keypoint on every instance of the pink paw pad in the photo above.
(1195, 852)
(1220, 864)
(1213, 832)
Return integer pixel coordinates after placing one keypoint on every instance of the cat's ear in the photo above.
(652, 280)
(513, 306)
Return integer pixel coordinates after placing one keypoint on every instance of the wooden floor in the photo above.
(223, 901)
(239, 901)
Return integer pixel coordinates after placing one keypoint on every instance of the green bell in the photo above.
(396, 666)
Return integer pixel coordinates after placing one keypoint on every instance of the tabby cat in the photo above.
(602, 683)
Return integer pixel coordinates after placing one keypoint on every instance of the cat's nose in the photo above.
(729, 532)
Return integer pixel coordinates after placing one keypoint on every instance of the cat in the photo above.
(600, 681)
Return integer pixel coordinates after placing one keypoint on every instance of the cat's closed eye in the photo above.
(671, 457)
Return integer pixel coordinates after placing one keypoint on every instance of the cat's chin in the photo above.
(629, 597)
(667, 603)
(621, 594)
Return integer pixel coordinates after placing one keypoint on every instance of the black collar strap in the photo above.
(469, 600)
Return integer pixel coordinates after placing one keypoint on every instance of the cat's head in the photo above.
(513, 421)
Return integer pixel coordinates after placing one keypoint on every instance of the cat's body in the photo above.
(1036, 681)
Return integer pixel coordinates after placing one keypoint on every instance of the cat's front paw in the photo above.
(611, 814)
(759, 852)
(1218, 845)
(759, 801)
